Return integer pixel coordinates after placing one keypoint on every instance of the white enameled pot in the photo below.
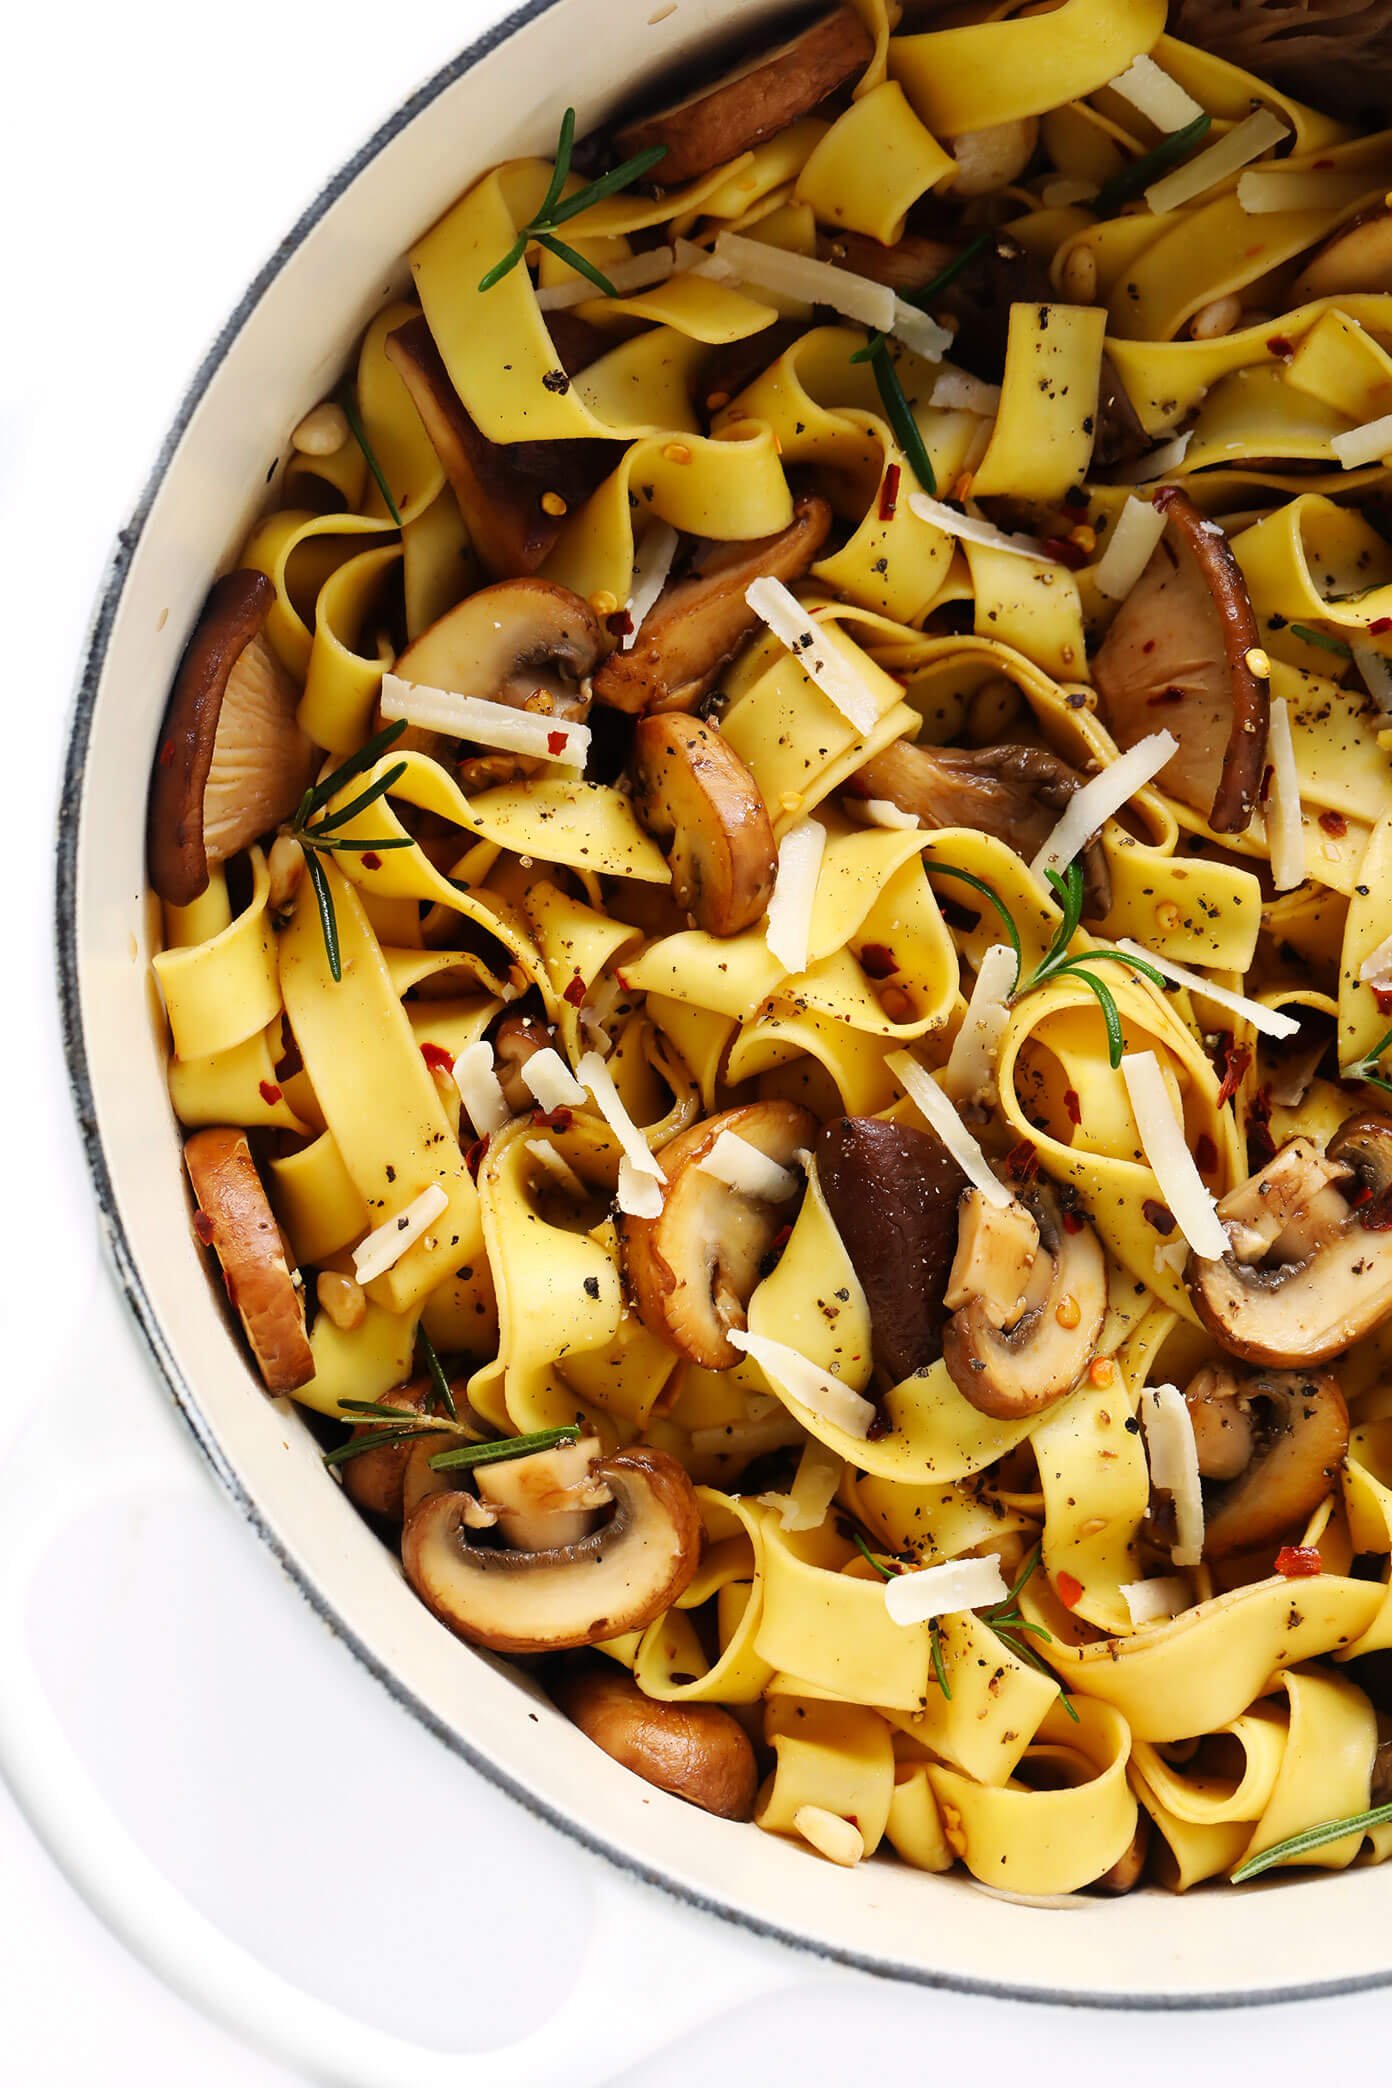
(280, 351)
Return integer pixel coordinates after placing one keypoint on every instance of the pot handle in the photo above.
(685, 1966)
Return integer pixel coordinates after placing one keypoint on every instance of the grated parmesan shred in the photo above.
(974, 529)
(883, 812)
(480, 1089)
(1099, 800)
(1156, 464)
(385, 1245)
(1376, 968)
(957, 391)
(652, 565)
(1166, 1147)
(1155, 1601)
(639, 272)
(944, 1591)
(741, 1166)
(938, 1112)
(792, 1374)
(1270, 1021)
(813, 646)
(1139, 528)
(1174, 1465)
(788, 921)
(1369, 444)
(813, 282)
(805, 1505)
(971, 1067)
(1285, 828)
(547, 1076)
(487, 723)
(1246, 142)
(641, 1175)
(1159, 98)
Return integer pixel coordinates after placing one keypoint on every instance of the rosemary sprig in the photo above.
(1010, 1626)
(319, 794)
(885, 1572)
(897, 409)
(1323, 640)
(554, 213)
(504, 1448)
(323, 838)
(1132, 181)
(380, 1439)
(923, 298)
(436, 1372)
(359, 433)
(934, 1632)
(1310, 1838)
(994, 899)
(328, 919)
(1367, 1068)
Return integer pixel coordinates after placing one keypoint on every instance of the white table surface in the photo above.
(150, 157)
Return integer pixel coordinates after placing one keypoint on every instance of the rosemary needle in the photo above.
(553, 212)
(1309, 1839)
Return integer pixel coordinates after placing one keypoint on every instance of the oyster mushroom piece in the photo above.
(499, 486)
(232, 762)
(1002, 274)
(1009, 1352)
(1357, 259)
(1309, 1267)
(1178, 656)
(235, 1219)
(699, 622)
(892, 1192)
(1278, 1449)
(753, 102)
(691, 1270)
(695, 1751)
(616, 1579)
(692, 791)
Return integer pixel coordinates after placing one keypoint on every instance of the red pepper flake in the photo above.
(620, 624)
(1378, 625)
(1334, 823)
(1238, 1057)
(575, 992)
(889, 493)
(203, 1226)
(436, 1055)
(1376, 1214)
(1383, 996)
(1361, 1195)
(1298, 1561)
(623, 983)
(473, 1159)
(166, 752)
(1158, 1216)
(1073, 1221)
(1068, 1590)
(876, 961)
(1064, 551)
(1205, 1154)
(1279, 345)
(557, 742)
(1073, 1103)
(553, 1119)
(371, 861)
(270, 1093)
(1022, 1161)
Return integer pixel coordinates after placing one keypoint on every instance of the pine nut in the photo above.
(323, 430)
(342, 1298)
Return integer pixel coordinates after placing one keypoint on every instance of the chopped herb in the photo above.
(994, 899)
(1310, 1838)
(328, 920)
(506, 1447)
(436, 1371)
(885, 1572)
(1323, 640)
(1009, 1625)
(939, 1668)
(385, 1438)
(553, 212)
(323, 838)
(1369, 1067)
(1132, 181)
(351, 415)
(900, 415)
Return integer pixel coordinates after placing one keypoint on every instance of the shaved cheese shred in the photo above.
(974, 529)
(943, 1591)
(920, 332)
(1156, 463)
(557, 1166)
(480, 1090)
(1369, 444)
(638, 1154)
(814, 282)
(490, 724)
(550, 1079)
(1152, 1601)
(805, 1505)
(1285, 829)
(1270, 1021)
(971, 1066)
(1139, 528)
(883, 812)
(958, 391)
(637, 273)
(384, 1247)
(651, 567)
(1166, 1147)
(1376, 968)
(1247, 141)
(1376, 670)
(639, 1195)
(740, 1165)
(1174, 1465)
(700, 261)
(792, 1374)
(788, 922)
(1151, 90)
(936, 1110)
(796, 627)
(1090, 808)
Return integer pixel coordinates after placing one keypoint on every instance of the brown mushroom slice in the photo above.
(374, 1479)
(694, 1751)
(756, 101)
(1327, 1278)
(517, 1039)
(692, 1270)
(892, 1193)
(617, 1579)
(548, 1499)
(1296, 1427)
(912, 263)
(1177, 657)
(699, 622)
(979, 298)
(1357, 260)
(1224, 1432)
(692, 791)
(1011, 1364)
(235, 1219)
(735, 364)
(1338, 56)
(499, 486)
(232, 761)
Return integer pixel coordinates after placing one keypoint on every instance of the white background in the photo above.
(151, 156)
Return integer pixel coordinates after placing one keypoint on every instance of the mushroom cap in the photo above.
(692, 1269)
(700, 621)
(892, 1192)
(235, 1219)
(1298, 1445)
(756, 101)
(1175, 657)
(1328, 1279)
(695, 1751)
(616, 1579)
(232, 761)
(692, 791)
(1128, 1870)
(373, 1481)
(1018, 1369)
(1357, 258)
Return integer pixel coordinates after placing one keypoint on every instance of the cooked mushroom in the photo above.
(1357, 259)
(695, 1751)
(1017, 793)
(910, 264)
(734, 364)
(1012, 1352)
(691, 1271)
(700, 621)
(235, 1219)
(618, 1578)
(693, 792)
(756, 101)
(373, 1480)
(517, 1039)
(991, 159)
(1337, 56)
(232, 762)
(979, 298)
(892, 1192)
(1128, 1870)
(500, 487)
(1278, 1448)
(1180, 655)
(547, 1499)
(1309, 1266)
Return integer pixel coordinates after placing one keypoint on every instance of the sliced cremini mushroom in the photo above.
(991, 159)
(1309, 1266)
(616, 1579)
(892, 1192)
(232, 762)
(500, 487)
(699, 622)
(755, 101)
(1291, 1427)
(691, 1271)
(517, 1039)
(1357, 259)
(1017, 793)
(695, 1751)
(545, 1500)
(1336, 57)
(910, 264)
(1009, 1352)
(235, 1219)
(373, 1480)
(1180, 656)
(692, 791)
(978, 301)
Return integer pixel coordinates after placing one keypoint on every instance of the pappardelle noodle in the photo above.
(777, 894)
